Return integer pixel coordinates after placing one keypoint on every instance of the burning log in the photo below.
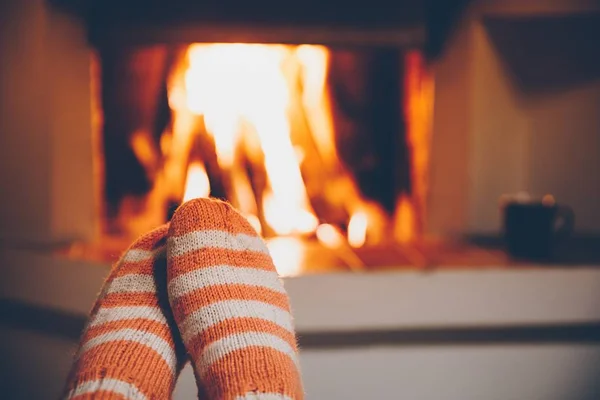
(312, 131)
(332, 238)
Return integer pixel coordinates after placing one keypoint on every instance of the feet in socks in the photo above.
(230, 308)
(230, 305)
(130, 348)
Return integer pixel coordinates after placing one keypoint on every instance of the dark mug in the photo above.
(532, 230)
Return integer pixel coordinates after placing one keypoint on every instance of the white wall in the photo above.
(498, 135)
(450, 147)
(544, 372)
(35, 367)
(532, 372)
(491, 138)
(564, 155)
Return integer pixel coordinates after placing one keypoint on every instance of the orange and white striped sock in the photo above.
(230, 305)
(128, 349)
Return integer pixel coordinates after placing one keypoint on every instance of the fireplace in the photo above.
(332, 165)
(315, 125)
(311, 143)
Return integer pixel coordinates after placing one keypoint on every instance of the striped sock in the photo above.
(128, 349)
(230, 306)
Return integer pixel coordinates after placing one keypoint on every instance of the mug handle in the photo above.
(564, 222)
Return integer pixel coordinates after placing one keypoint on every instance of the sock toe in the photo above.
(208, 214)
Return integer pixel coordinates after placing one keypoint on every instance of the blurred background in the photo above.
(425, 174)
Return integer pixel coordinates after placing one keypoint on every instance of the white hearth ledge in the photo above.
(347, 302)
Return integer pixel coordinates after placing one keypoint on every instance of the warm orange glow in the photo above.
(288, 255)
(404, 224)
(314, 61)
(230, 84)
(260, 119)
(330, 236)
(142, 146)
(284, 220)
(357, 229)
(255, 223)
(419, 94)
(197, 184)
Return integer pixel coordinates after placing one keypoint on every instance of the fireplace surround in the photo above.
(390, 41)
(59, 202)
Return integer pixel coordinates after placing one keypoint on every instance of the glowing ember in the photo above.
(329, 236)
(287, 254)
(405, 220)
(357, 229)
(196, 184)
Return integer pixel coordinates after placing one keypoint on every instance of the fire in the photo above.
(314, 60)
(254, 124)
(357, 229)
(405, 220)
(197, 184)
(329, 236)
(418, 110)
(235, 84)
(288, 255)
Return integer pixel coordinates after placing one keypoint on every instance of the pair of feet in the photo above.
(202, 287)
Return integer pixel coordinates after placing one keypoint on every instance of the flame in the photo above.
(230, 84)
(288, 255)
(260, 118)
(357, 229)
(419, 94)
(284, 219)
(196, 184)
(315, 62)
(329, 236)
(143, 148)
(338, 187)
(255, 223)
(405, 220)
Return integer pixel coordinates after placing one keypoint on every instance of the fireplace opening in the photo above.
(323, 149)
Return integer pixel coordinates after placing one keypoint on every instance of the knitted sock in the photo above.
(128, 350)
(230, 306)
